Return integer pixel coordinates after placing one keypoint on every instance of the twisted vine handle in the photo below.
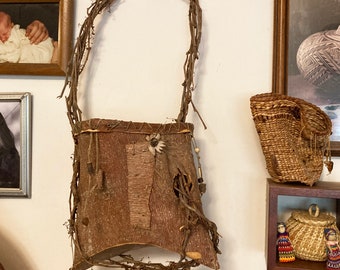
(82, 49)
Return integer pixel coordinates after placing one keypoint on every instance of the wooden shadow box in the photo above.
(330, 190)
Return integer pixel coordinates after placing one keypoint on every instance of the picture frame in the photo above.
(15, 144)
(60, 20)
(296, 35)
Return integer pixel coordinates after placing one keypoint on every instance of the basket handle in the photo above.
(82, 48)
(314, 207)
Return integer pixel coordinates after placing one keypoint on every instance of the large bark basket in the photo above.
(136, 184)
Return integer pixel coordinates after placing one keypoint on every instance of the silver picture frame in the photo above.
(15, 144)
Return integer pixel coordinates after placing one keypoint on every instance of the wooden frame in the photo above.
(322, 189)
(294, 21)
(65, 43)
(15, 135)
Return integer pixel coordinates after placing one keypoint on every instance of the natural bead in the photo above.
(202, 188)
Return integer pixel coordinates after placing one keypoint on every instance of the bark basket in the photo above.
(136, 184)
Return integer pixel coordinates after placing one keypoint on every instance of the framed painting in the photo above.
(18, 56)
(306, 57)
(15, 145)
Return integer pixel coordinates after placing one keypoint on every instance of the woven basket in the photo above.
(294, 135)
(306, 231)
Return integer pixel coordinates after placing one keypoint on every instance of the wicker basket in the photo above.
(306, 231)
(294, 135)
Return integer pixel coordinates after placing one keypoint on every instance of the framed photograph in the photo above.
(50, 57)
(15, 144)
(306, 57)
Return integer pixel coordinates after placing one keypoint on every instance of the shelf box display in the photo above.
(321, 189)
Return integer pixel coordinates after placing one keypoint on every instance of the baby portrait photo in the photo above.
(29, 32)
(35, 37)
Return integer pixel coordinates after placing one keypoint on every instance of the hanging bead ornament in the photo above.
(201, 185)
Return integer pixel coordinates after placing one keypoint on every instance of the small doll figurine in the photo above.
(284, 246)
(333, 249)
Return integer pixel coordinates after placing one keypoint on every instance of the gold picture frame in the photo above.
(294, 22)
(65, 20)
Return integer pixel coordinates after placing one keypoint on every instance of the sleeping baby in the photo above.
(15, 47)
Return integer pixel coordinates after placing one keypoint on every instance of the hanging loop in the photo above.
(82, 49)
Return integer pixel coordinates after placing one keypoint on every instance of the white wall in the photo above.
(136, 75)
